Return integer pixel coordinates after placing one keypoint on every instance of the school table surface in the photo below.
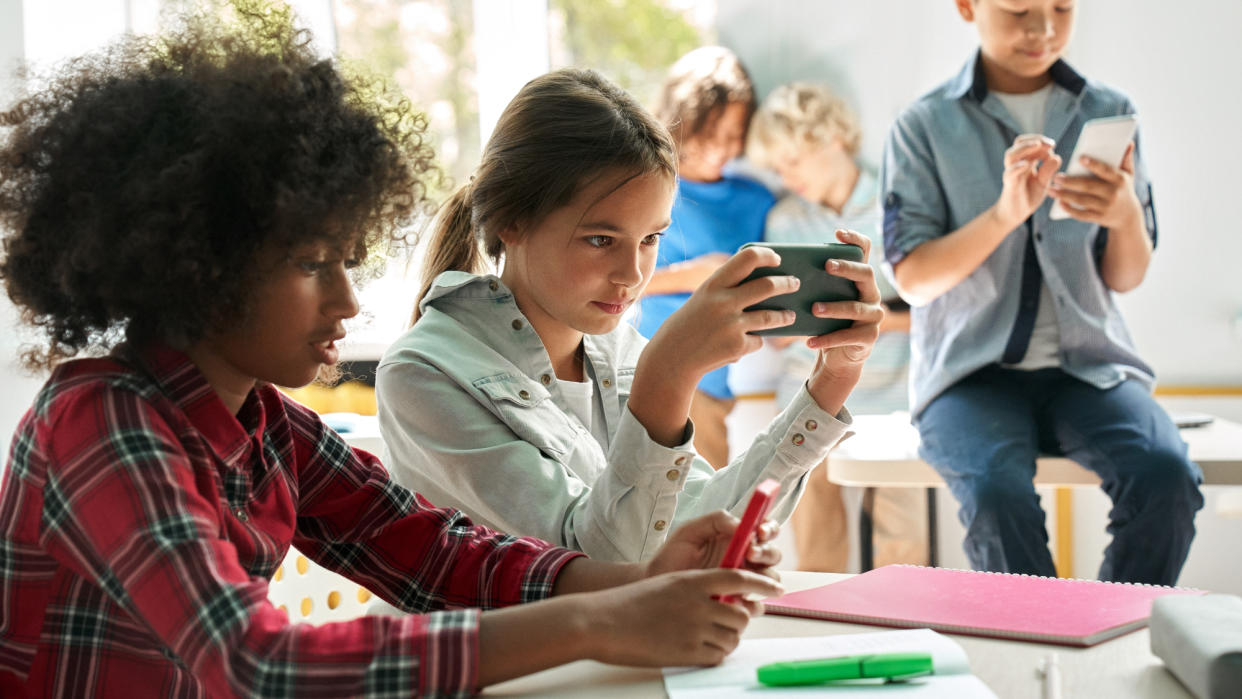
(883, 452)
(1122, 668)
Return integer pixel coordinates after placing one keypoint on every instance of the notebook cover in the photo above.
(1022, 607)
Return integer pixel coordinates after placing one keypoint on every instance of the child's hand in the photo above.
(713, 328)
(1025, 185)
(842, 352)
(1105, 197)
(701, 543)
(672, 619)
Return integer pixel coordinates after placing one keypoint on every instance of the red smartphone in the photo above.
(760, 504)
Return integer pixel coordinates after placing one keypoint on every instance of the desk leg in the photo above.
(932, 553)
(866, 553)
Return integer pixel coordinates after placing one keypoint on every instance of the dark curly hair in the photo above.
(139, 184)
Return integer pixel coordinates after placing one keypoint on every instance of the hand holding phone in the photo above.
(761, 501)
(1104, 139)
(806, 262)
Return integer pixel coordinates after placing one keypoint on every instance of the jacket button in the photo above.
(798, 439)
(546, 379)
(517, 324)
(660, 525)
(812, 425)
(241, 514)
(524, 394)
(607, 382)
(672, 474)
(681, 460)
(493, 285)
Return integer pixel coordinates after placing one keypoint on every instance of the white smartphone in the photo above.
(1104, 139)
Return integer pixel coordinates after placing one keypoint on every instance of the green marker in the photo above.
(892, 667)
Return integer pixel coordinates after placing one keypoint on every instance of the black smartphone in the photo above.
(806, 262)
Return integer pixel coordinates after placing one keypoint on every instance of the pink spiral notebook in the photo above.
(1021, 607)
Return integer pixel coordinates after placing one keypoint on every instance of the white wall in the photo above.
(1178, 64)
(16, 387)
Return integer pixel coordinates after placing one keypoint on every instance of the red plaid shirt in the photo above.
(140, 523)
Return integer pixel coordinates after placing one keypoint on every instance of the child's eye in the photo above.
(599, 241)
(653, 239)
(310, 266)
(353, 263)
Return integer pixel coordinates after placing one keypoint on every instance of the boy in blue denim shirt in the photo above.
(1018, 347)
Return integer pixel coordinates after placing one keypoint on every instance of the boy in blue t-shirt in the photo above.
(1018, 346)
(707, 102)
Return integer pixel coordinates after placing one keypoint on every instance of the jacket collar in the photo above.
(971, 80)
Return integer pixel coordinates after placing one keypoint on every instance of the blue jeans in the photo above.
(982, 435)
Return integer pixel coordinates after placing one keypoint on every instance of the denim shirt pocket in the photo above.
(526, 407)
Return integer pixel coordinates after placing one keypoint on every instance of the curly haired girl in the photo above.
(185, 210)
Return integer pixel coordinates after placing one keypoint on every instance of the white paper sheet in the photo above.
(735, 677)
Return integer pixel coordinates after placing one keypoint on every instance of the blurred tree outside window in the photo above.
(632, 42)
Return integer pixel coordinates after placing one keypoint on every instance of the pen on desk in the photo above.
(1052, 676)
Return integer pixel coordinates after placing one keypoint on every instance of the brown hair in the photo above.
(698, 88)
(798, 115)
(561, 130)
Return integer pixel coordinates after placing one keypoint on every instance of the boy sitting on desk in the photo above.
(1018, 346)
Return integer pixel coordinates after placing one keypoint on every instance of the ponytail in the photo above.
(453, 245)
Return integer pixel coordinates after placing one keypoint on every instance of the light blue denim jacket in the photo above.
(472, 417)
(942, 167)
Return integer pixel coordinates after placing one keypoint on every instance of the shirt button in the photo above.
(546, 379)
(672, 474)
(660, 525)
(1039, 237)
(493, 285)
(241, 514)
(798, 439)
(517, 324)
(812, 425)
(681, 460)
(607, 382)
(524, 394)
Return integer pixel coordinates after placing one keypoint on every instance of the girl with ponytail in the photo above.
(520, 396)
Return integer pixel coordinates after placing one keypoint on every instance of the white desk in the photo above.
(884, 452)
(1122, 668)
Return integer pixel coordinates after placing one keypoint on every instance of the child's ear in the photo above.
(966, 8)
(508, 235)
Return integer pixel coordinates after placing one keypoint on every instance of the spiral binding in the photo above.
(1046, 577)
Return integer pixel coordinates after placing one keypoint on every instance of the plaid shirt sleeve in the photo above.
(127, 509)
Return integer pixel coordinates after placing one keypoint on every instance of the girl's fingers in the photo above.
(845, 235)
(858, 272)
(744, 262)
(764, 288)
(848, 310)
(862, 337)
(763, 556)
(768, 530)
(765, 320)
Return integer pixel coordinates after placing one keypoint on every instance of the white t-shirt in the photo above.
(1030, 111)
(584, 405)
